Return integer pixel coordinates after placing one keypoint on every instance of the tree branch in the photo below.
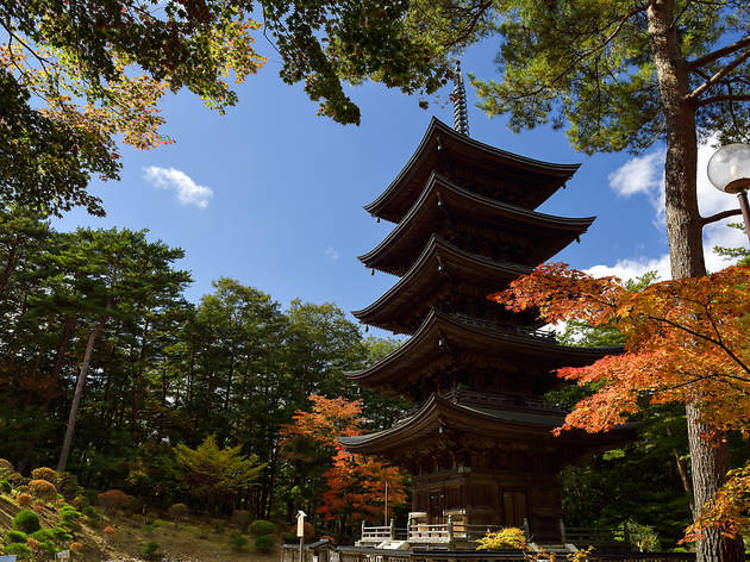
(725, 97)
(718, 76)
(719, 53)
(719, 216)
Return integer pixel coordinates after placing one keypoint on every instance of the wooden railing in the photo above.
(377, 534)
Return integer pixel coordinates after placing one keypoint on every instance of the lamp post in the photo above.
(729, 171)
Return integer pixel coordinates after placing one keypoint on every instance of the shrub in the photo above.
(5, 486)
(20, 550)
(109, 533)
(60, 534)
(91, 513)
(15, 536)
(241, 519)
(264, 543)
(178, 512)
(23, 489)
(150, 551)
(43, 535)
(289, 538)
(67, 485)
(6, 467)
(262, 527)
(80, 502)
(44, 473)
(26, 521)
(76, 547)
(38, 508)
(69, 513)
(16, 478)
(43, 489)
(112, 500)
(238, 542)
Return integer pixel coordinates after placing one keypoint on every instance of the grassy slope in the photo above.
(193, 541)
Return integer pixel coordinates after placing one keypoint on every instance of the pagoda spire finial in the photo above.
(460, 114)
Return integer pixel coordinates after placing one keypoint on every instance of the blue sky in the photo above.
(271, 194)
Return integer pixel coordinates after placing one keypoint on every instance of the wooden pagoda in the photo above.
(479, 445)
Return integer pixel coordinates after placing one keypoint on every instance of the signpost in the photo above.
(301, 532)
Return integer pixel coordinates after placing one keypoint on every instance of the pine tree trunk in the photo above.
(80, 383)
(709, 462)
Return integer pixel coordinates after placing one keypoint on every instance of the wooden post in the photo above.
(562, 530)
(392, 531)
(450, 529)
(362, 534)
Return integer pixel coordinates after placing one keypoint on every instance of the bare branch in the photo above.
(719, 53)
(719, 216)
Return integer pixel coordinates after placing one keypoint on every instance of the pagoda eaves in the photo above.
(439, 269)
(442, 205)
(441, 143)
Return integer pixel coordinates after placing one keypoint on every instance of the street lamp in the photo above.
(729, 171)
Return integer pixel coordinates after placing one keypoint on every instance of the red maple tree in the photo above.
(686, 340)
(355, 483)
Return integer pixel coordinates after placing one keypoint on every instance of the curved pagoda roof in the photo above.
(402, 308)
(443, 205)
(441, 335)
(439, 416)
(523, 181)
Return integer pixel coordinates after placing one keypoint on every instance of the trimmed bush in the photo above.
(15, 536)
(44, 473)
(80, 503)
(43, 535)
(150, 551)
(43, 489)
(24, 500)
(238, 542)
(69, 513)
(76, 547)
(60, 534)
(241, 519)
(26, 521)
(17, 479)
(91, 513)
(264, 543)
(6, 468)
(112, 500)
(5, 486)
(289, 538)
(20, 550)
(67, 485)
(178, 512)
(262, 527)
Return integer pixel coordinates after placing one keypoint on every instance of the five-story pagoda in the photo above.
(479, 446)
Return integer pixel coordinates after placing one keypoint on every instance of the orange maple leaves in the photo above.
(685, 340)
(355, 483)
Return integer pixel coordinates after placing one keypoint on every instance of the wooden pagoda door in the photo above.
(514, 508)
(436, 507)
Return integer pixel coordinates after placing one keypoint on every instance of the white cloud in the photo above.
(332, 254)
(188, 192)
(629, 269)
(645, 175)
(642, 174)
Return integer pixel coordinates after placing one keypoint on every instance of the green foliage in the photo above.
(91, 513)
(26, 521)
(213, 472)
(264, 543)
(69, 513)
(151, 550)
(241, 518)
(5, 486)
(238, 542)
(262, 527)
(739, 255)
(44, 473)
(289, 538)
(178, 512)
(20, 550)
(15, 536)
